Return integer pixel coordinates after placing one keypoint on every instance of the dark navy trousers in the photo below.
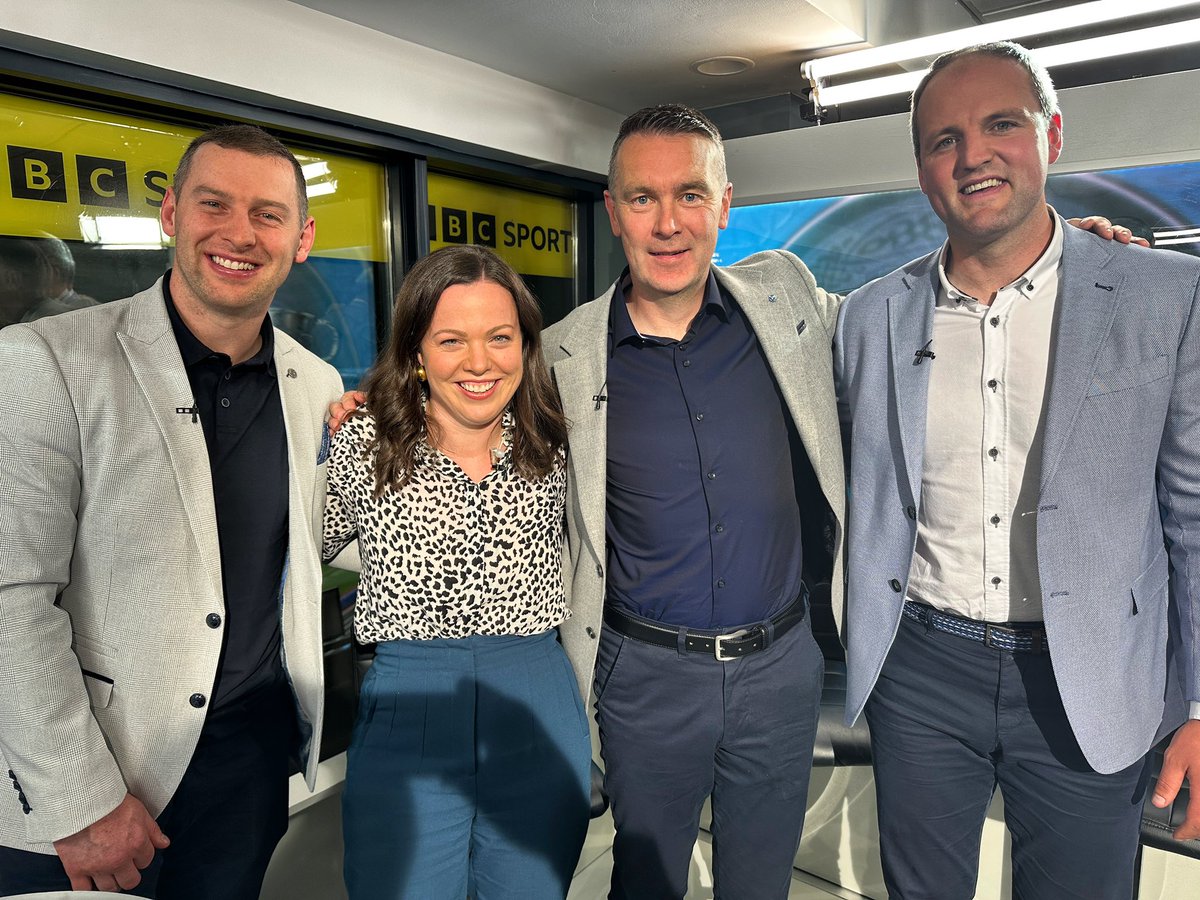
(951, 720)
(677, 727)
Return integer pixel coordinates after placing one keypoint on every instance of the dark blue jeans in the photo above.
(951, 720)
(677, 727)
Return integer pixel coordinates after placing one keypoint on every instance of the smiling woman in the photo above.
(470, 760)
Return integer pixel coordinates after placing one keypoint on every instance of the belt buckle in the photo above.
(989, 629)
(732, 636)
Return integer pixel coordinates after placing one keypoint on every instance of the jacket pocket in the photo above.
(1125, 377)
(1153, 581)
(95, 666)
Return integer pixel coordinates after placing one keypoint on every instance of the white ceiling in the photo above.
(625, 54)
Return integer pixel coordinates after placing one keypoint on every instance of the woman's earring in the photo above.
(420, 373)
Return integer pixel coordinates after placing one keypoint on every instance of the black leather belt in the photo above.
(1028, 636)
(722, 646)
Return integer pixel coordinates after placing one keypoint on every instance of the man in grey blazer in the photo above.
(705, 489)
(162, 489)
(1022, 418)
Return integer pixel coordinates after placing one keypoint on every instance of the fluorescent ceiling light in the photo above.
(313, 171)
(322, 188)
(819, 71)
(122, 231)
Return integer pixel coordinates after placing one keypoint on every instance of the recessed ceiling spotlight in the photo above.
(722, 65)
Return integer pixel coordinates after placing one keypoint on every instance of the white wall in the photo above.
(285, 50)
(1143, 121)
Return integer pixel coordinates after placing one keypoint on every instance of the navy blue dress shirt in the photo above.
(703, 523)
(242, 416)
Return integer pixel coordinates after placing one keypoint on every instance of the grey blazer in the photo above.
(109, 563)
(793, 319)
(1119, 503)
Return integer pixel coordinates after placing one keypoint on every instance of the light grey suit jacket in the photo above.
(1119, 503)
(109, 563)
(793, 320)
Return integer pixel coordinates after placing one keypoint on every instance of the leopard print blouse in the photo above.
(444, 557)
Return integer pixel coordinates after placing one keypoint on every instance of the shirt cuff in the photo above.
(1194, 710)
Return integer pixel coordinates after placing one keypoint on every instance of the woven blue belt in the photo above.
(1026, 636)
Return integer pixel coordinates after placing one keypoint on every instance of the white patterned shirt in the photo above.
(444, 557)
(976, 552)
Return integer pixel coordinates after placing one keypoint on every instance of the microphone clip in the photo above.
(924, 353)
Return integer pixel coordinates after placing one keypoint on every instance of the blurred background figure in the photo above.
(37, 278)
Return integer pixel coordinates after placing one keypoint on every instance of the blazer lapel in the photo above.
(910, 328)
(297, 412)
(1087, 307)
(581, 384)
(154, 359)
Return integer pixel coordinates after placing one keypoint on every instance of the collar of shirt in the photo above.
(194, 351)
(1031, 283)
(621, 329)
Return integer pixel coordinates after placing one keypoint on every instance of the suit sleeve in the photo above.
(48, 735)
(1179, 496)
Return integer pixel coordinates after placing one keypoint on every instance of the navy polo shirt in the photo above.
(242, 416)
(703, 524)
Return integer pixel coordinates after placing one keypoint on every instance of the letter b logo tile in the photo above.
(36, 174)
(454, 225)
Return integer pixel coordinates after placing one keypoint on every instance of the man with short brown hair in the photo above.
(159, 571)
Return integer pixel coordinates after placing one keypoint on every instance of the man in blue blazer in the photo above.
(1020, 409)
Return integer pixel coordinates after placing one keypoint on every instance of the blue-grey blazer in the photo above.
(1119, 505)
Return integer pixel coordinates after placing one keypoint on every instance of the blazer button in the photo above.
(896, 586)
(197, 700)
(599, 571)
(911, 512)
(591, 632)
(212, 620)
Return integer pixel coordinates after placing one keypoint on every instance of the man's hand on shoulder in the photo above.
(110, 853)
(340, 410)
(1101, 227)
(1182, 759)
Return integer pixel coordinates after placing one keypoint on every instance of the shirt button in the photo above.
(995, 520)
(197, 700)
(591, 632)
(720, 528)
(995, 320)
(712, 475)
(228, 375)
(225, 402)
(686, 363)
(212, 620)
(720, 582)
(895, 583)
(911, 512)
(996, 580)
(994, 452)
(699, 417)
(993, 383)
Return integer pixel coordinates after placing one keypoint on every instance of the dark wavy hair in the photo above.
(396, 396)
